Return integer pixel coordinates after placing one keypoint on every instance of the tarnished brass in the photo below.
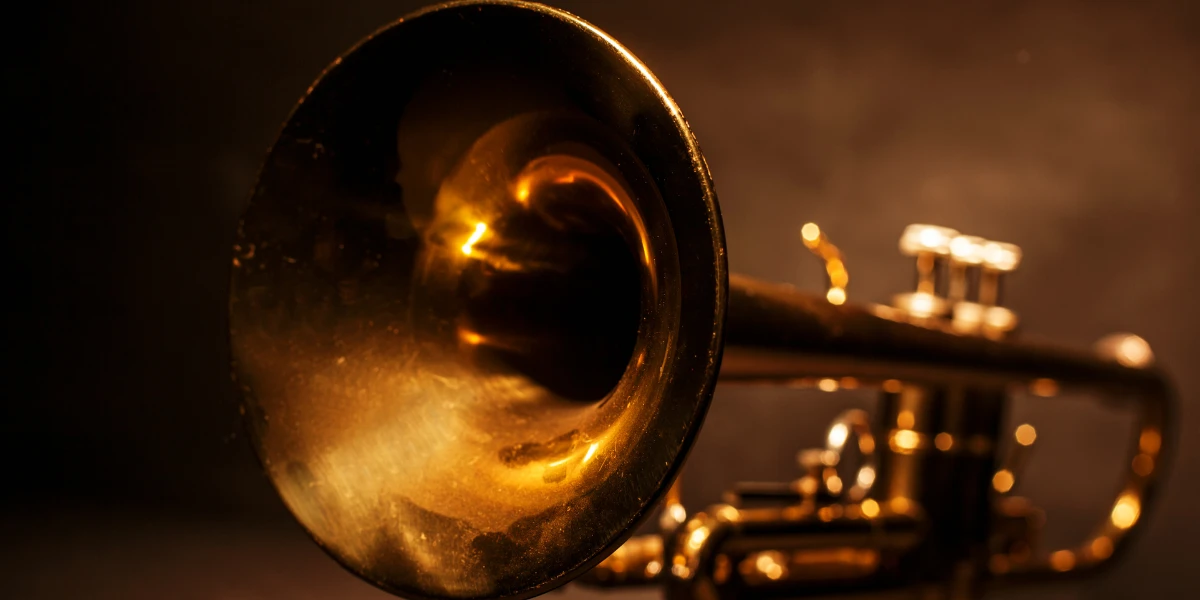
(476, 310)
(478, 307)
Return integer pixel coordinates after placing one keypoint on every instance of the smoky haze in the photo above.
(1070, 128)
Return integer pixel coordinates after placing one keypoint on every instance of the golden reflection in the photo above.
(1102, 547)
(943, 441)
(838, 435)
(697, 537)
(834, 484)
(967, 249)
(905, 441)
(931, 238)
(565, 169)
(1150, 441)
(1003, 481)
(653, 568)
(675, 492)
(1025, 434)
(1143, 464)
(729, 514)
(677, 512)
(410, 451)
(1126, 511)
(922, 304)
(831, 512)
(967, 317)
(835, 269)
(999, 319)
(836, 296)
(768, 563)
(558, 463)
(1001, 256)
(591, 451)
(807, 486)
(480, 229)
(849, 383)
(905, 420)
(1133, 351)
(1063, 560)
(900, 505)
(870, 508)
(827, 385)
(521, 193)
(866, 477)
(892, 386)
(918, 238)
(1044, 387)
(808, 565)
(811, 233)
(1127, 349)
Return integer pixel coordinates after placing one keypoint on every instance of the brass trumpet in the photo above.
(479, 303)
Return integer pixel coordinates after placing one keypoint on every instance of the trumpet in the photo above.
(480, 301)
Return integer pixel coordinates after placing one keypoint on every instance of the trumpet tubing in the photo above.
(479, 303)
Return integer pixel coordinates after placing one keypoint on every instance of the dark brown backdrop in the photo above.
(1071, 128)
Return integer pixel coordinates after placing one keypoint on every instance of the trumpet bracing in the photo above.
(479, 303)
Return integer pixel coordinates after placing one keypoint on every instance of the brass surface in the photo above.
(470, 353)
(479, 304)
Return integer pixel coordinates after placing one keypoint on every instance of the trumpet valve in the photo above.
(919, 239)
(999, 258)
(982, 262)
(921, 305)
(930, 245)
(966, 256)
(973, 318)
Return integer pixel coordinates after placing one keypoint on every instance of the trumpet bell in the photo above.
(477, 301)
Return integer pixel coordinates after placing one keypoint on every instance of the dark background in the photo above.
(135, 129)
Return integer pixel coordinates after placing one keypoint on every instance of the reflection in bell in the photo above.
(1126, 511)
(479, 331)
(480, 229)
